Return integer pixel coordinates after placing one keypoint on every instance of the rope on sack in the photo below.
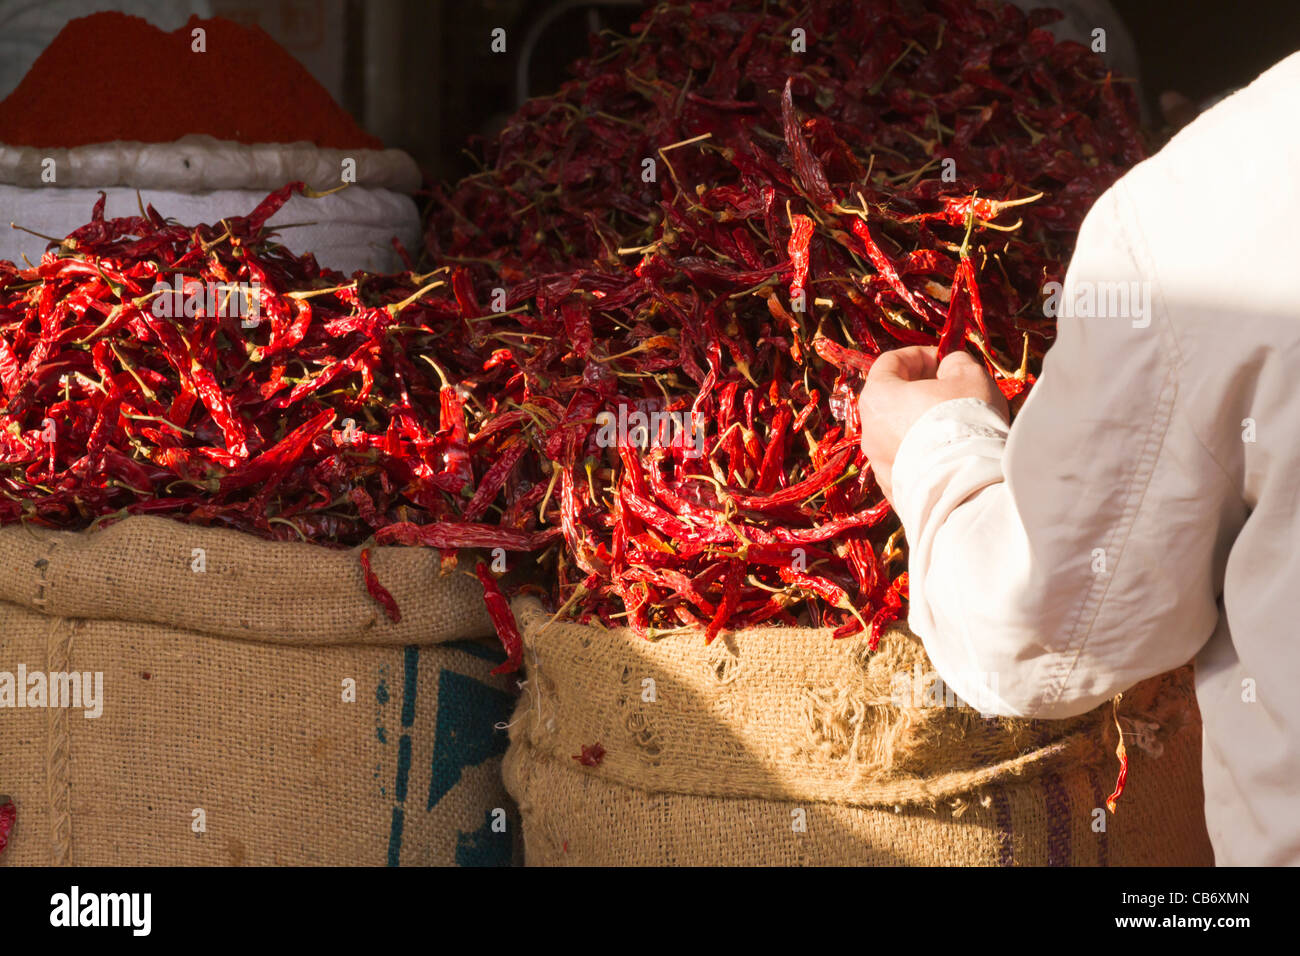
(58, 651)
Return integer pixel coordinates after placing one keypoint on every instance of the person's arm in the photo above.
(1059, 563)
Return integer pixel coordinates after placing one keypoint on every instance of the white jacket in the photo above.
(1144, 509)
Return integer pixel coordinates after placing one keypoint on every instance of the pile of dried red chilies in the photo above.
(206, 373)
(639, 243)
(708, 221)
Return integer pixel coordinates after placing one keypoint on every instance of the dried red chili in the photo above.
(806, 165)
(8, 814)
(801, 231)
(503, 619)
(377, 591)
(886, 270)
(619, 295)
(1121, 752)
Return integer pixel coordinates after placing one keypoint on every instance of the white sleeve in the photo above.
(1059, 562)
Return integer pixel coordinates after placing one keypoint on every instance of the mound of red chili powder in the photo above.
(110, 77)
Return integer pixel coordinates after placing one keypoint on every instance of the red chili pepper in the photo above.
(577, 326)
(957, 211)
(890, 611)
(793, 494)
(1122, 753)
(268, 207)
(770, 471)
(8, 814)
(823, 588)
(105, 424)
(1013, 387)
(887, 272)
(503, 619)
(378, 591)
(463, 286)
(841, 356)
(11, 376)
(670, 525)
(730, 599)
(270, 467)
(973, 290)
(954, 326)
(205, 384)
(591, 756)
(836, 527)
(457, 472)
(800, 235)
(457, 534)
(511, 452)
(807, 166)
(565, 442)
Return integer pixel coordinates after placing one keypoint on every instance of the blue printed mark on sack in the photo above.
(486, 652)
(411, 673)
(465, 736)
(483, 847)
(381, 701)
(468, 711)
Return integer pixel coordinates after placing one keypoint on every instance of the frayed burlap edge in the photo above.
(787, 713)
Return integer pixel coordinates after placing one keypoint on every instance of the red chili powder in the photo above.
(110, 76)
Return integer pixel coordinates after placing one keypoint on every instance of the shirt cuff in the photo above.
(949, 453)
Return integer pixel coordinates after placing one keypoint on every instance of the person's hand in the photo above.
(903, 385)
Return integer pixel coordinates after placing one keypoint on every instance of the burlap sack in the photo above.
(783, 746)
(230, 732)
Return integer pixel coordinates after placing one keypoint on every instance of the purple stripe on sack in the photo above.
(1057, 805)
(1103, 840)
(1002, 813)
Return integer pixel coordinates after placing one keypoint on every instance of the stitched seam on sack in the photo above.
(1135, 493)
(58, 651)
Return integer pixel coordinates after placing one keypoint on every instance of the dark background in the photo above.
(1203, 47)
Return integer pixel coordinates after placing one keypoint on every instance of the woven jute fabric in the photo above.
(260, 711)
(142, 570)
(781, 745)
